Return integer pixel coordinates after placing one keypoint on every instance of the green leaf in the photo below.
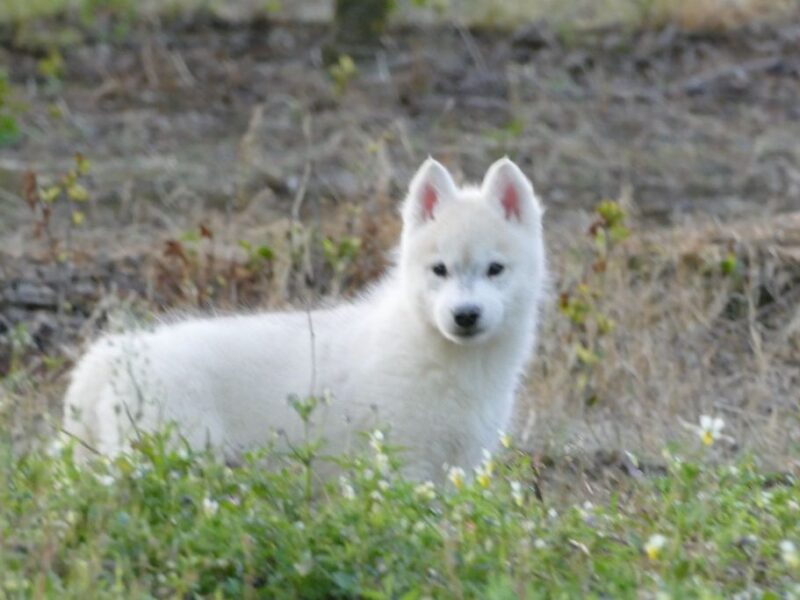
(611, 212)
(77, 193)
(618, 233)
(82, 164)
(190, 235)
(586, 355)
(50, 193)
(729, 264)
(9, 130)
(265, 252)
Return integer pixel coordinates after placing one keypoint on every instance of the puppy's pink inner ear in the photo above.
(510, 201)
(429, 201)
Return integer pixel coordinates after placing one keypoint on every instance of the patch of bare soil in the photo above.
(211, 141)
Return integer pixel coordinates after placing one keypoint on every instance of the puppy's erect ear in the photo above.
(430, 188)
(506, 187)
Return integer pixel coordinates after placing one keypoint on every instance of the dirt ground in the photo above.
(240, 132)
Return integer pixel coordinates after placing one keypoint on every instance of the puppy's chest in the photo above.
(428, 390)
(452, 403)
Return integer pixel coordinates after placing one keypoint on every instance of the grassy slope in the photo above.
(164, 524)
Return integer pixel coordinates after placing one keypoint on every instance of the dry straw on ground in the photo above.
(689, 339)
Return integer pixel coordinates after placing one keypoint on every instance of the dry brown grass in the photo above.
(689, 340)
(691, 15)
(709, 15)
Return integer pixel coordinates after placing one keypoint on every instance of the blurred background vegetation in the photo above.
(695, 14)
(183, 155)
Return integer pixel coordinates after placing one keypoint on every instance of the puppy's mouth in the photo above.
(469, 333)
(466, 336)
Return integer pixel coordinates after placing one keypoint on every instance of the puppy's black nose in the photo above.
(466, 316)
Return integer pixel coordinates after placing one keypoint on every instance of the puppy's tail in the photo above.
(91, 380)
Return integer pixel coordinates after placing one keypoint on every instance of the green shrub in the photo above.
(164, 521)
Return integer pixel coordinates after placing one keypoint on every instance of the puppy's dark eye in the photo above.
(495, 269)
(439, 270)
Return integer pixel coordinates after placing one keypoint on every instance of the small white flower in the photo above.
(376, 440)
(106, 480)
(528, 526)
(488, 462)
(57, 446)
(376, 496)
(348, 493)
(540, 544)
(505, 439)
(382, 462)
(654, 545)
(483, 477)
(517, 494)
(710, 429)
(305, 564)
(210, 506)
(420, 526)
(484, 471)
(587, 512)
(383, 485)
(552, 513)
(425, 491)
(456, 477)
(790, 554)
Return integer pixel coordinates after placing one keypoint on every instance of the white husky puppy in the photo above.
(433, 353)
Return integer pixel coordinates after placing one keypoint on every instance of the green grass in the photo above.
(167, 523)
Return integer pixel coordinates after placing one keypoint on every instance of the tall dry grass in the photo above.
(689, 339)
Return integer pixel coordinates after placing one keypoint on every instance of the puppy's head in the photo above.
(472, 258)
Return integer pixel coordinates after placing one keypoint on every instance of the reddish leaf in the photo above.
(175, 248)
(30, 189)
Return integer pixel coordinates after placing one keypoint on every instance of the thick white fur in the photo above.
(390, 359)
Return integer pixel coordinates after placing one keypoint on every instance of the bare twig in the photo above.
(82, 442)
(183, 70)
(472, 48)
(313, 342)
